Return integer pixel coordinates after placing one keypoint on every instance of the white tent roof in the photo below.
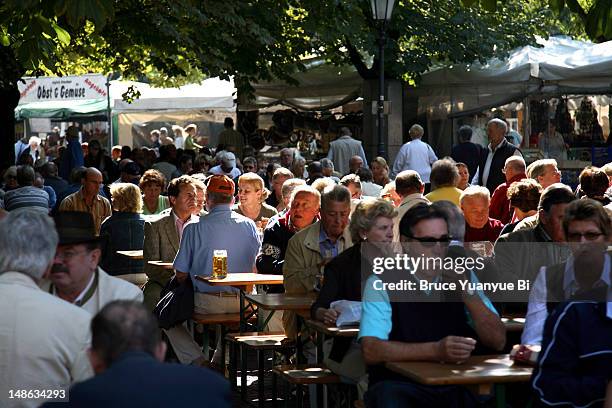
(212, 93)
(560, 66)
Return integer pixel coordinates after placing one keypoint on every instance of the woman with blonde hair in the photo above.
(123, 231)
(152, 183)
(380, 171)
(372, 221)
(252, 194)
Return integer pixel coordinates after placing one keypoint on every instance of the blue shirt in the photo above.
(327, 248)
(221, 228)
(376, 310)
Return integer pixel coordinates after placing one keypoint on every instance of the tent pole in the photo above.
(109, 116)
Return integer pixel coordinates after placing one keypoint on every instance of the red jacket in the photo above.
(490, 232)
(500, 208)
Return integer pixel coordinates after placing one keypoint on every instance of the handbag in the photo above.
(176, 303)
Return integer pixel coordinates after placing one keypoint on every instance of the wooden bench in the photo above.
(303, 375)
(227, 321)
(260, 342)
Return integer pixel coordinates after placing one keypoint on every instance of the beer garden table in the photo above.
(135, 254)
(243, 280)
(481, 371)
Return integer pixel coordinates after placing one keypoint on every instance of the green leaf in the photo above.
(557, 5)
(468, 3)
(62, 35)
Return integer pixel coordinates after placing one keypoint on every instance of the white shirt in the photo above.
(415, 155)
(178, 142)
(487, 167)
(370, 189)
(537, 311)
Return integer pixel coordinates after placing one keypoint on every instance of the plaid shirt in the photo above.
(100, 209)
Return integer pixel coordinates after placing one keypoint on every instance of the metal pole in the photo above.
(109, 115)
(381, 91)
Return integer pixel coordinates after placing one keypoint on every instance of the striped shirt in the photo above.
(100, 209)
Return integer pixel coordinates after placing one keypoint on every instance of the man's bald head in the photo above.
(515, 165)
(91, 181)
(355, 163)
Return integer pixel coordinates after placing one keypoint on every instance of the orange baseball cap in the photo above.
(221, 184)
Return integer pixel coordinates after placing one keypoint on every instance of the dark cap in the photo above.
(74, 227)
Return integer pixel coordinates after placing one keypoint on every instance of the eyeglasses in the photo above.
(431, 241)
(589, 236)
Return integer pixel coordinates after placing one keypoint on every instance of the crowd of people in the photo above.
(78, 316)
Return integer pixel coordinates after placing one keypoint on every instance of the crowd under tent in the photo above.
(557, 69)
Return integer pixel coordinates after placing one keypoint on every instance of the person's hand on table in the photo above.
(455, 349)
(181, 276)
(327, 316)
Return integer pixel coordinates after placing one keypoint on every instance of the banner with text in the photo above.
(42, 89)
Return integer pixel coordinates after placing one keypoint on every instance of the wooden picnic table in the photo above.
(333, 331)
(135, 254)
(483, 372)
(243, 279)
(162, 264)
(514, 324)
(282, 301)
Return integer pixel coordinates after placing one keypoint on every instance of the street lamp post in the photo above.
(381, 11)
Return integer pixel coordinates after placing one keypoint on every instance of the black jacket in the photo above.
(496, 177)
(137, 379)
(271, 257)
(468, 153)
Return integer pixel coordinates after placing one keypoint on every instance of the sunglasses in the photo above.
(431, 241)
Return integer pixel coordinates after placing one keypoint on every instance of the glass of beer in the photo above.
(219, 264)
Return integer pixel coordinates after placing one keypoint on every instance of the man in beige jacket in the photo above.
(309, 250)
(43, 339)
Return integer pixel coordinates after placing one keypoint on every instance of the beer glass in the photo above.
(219, 264)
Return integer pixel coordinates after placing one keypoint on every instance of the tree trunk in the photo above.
(10, 73)
(8, 102)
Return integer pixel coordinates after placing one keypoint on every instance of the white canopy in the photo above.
(212, 93)
(560, 66)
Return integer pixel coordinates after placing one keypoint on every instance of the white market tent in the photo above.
(559, 66)
(180, 104)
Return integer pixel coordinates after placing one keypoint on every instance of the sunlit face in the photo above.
(151, 191)
(553, 222)
(379, 171)
(286, 158)
(249, 194)
(464, 175)
(495, 133)
(73, 266)
(392, 197)
(200, 201)
(476, 211)
(381, 230)
(277, 184)
(186, 200)
(551, 175)
(304, 209)
(91, 183)
(335, 217)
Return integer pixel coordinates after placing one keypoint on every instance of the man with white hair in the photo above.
(343, 148)
(33, 148)
(478, 225)
(492, 161)
(415, 155)
(45, 339)
(500, 208)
